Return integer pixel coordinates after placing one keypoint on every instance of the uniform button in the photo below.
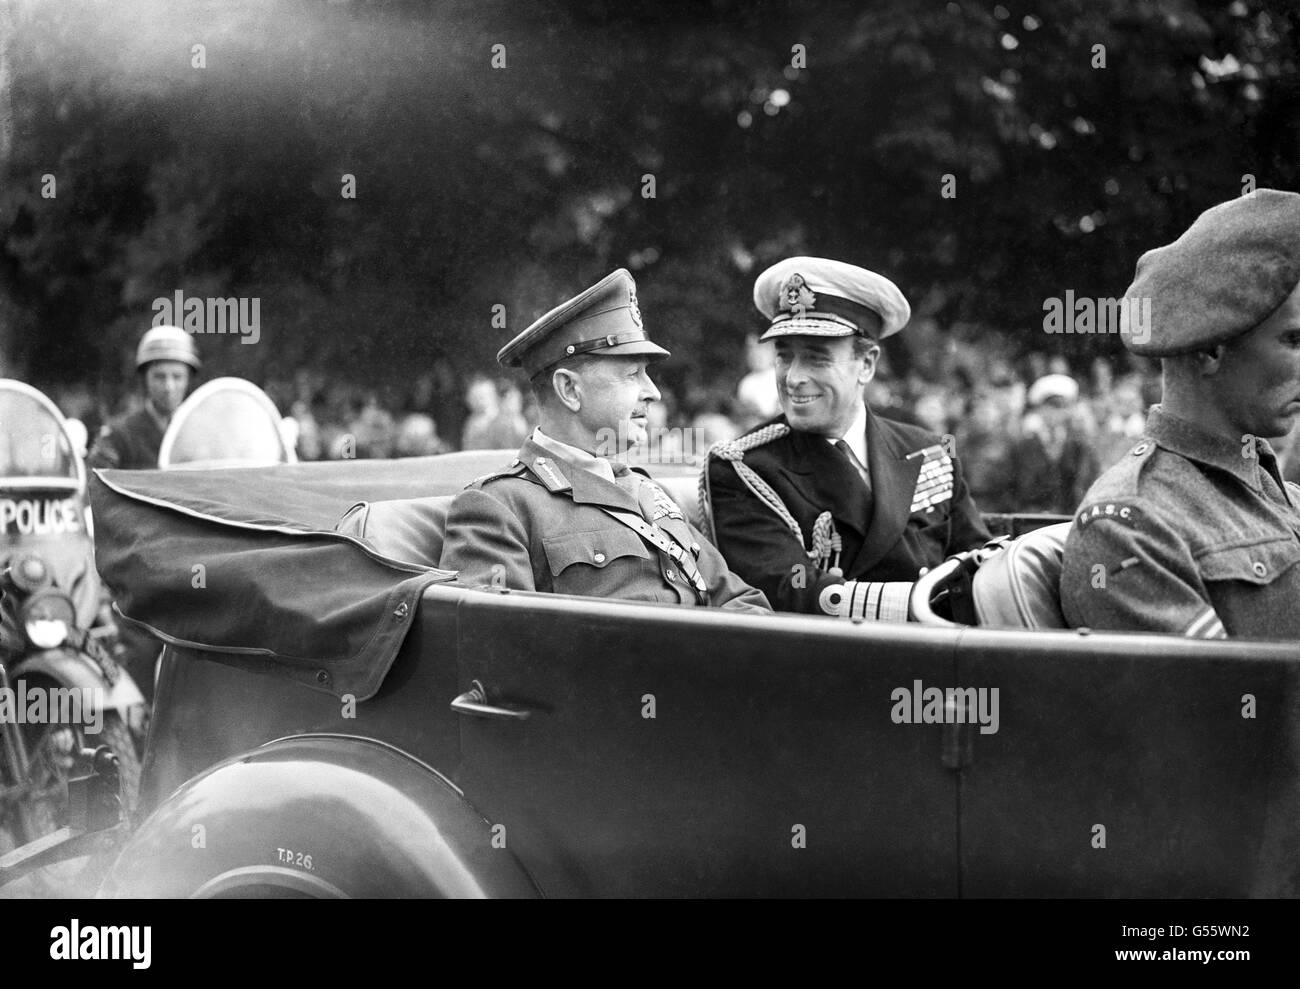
(541, 460)
(599, 557)
(669, 575)
(1140, 449)
(1259, 568)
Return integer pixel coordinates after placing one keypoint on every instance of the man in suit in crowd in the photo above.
(563, 516)
(829, 508)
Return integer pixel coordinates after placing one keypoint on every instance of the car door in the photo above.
(688, 752)
(1131, 765)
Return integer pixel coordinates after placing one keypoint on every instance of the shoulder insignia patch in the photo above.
(1116, 511)
(552, 478)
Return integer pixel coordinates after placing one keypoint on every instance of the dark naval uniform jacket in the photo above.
(539, 525)
(129, 442)
(916, 513)
(1190, 533)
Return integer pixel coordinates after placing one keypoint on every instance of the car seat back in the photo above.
(1020, 586)
(410, 530)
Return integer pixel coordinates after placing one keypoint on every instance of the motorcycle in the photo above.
(67, 707)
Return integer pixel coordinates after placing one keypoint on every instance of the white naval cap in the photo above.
(825, 298)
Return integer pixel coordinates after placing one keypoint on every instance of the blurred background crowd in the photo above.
(1031, 436)
(404, 186)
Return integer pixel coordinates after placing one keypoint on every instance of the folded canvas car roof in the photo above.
(244, 563)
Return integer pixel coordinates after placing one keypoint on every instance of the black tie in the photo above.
(859, 495)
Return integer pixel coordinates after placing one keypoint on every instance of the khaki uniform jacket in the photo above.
(539, 526)
(1189, 533)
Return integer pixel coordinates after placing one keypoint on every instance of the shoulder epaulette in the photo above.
(515, 468)
(734, 451)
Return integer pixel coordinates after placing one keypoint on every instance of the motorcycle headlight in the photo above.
(29, 573)
(47, 617)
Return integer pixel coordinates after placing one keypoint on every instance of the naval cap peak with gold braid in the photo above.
(819, 297)
(603, 321)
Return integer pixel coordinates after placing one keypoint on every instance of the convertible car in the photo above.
(337, 717)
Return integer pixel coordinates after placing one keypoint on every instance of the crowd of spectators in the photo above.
(1030, 436)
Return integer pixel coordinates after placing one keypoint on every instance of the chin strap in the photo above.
(873, 600)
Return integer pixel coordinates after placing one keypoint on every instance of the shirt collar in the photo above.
(1236, 456)
(579, 458)
(856, 436)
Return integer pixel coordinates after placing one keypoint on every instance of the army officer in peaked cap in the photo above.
(1194, 531)
(563, 517)
(829, 508)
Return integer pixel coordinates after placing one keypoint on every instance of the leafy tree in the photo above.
(769, 129)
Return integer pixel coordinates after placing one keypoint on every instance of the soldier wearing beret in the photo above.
(1194, 531)
(562, 516)
(829, 508)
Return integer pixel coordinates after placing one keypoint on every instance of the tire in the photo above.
(75, 877)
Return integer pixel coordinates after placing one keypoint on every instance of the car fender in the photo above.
(323, 816)
(73, 669)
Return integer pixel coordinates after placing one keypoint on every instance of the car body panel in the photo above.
(1145, 736)
(207, 710)
(758, 728)
(674, 751)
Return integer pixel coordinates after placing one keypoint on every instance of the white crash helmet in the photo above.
(167, 343)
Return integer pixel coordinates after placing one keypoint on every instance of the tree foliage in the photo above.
(478, 185)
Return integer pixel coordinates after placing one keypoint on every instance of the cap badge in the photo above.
(796, 296)
(633, 307)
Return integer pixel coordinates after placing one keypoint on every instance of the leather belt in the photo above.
(665, 543)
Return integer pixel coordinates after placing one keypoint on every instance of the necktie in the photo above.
(861, 498)
(861, 468)
(630, 481)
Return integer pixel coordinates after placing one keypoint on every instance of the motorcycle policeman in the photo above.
(166, 360)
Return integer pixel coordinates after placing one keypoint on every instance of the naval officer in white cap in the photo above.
(829, 508)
